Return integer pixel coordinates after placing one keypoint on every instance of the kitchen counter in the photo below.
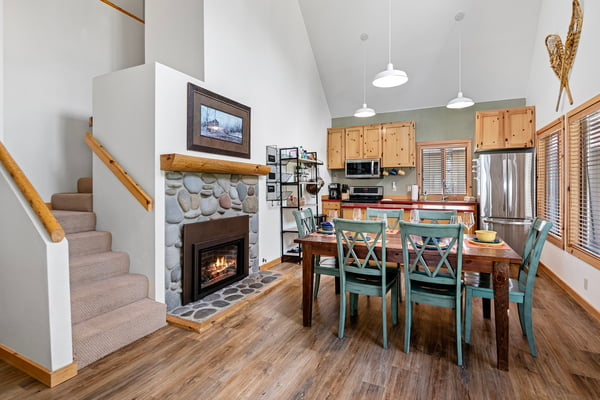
(458, 206)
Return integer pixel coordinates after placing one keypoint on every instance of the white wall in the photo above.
(2, 71)
(175, 35)
(264, 60)
(52, 50)
(124, 123)
(543, 93)
(34, 284)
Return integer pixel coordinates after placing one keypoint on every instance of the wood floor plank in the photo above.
(264, 352)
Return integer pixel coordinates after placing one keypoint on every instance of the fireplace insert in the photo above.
(215, 255)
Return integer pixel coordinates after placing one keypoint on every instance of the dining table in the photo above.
(476, 257)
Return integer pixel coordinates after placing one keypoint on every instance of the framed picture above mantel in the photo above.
(216, 124)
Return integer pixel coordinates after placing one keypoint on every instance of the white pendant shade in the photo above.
(460, 102)
(364, 112)
(390, 77)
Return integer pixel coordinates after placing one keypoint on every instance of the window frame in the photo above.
(468, 144)
(572, 175)
(555, 127)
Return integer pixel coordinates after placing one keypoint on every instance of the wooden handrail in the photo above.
(180, 162)
(116, 7)
(135, 189)
(38, 206)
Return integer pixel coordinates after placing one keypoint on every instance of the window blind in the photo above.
(432, 170)
(549, 172)
(456, 170)
(584, 180)
(444, 163)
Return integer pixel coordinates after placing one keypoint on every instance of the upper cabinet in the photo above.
(393, 143)
(398, 144)
(335, 148)
(507, 128)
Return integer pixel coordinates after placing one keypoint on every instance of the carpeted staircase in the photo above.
(110, 307)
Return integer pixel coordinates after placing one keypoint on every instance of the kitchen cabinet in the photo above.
(335, 148)
(506, 128)
(398, 144)
(393, 143)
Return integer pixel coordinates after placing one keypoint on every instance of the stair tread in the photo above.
(89, 300)
(101, 335)
(75, 221)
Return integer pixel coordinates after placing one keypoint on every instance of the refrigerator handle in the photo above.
(501, 221)
(505, 183)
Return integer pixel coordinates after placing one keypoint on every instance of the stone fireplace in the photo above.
(192, 197)
(215, 255)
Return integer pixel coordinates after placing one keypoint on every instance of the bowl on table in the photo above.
(326, 226)
(485, 236)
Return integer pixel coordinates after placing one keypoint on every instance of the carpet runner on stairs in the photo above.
(110, 307)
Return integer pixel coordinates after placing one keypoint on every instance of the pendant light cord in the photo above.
(390, 33)
(364, 73)
(459, 60)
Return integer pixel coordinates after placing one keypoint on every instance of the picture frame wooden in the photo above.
(216, 124)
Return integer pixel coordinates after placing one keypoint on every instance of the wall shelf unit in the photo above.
(294, 175)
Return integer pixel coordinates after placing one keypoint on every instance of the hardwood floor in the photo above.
(264, 352)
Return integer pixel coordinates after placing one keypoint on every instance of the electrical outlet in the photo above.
(264, 260)
(394, 187)
(585, 284)
(408, 188)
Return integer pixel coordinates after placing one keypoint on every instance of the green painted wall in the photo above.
(438, 123)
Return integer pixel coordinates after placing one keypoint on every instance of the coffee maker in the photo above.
(335, 191)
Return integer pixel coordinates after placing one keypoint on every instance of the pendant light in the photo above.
(390, 77)
(364, 111)
(459, 101)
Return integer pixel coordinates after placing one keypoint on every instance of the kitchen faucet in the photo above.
(444, 189)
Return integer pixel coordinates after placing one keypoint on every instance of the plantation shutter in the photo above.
(432, 170)
(456, 170)
(549, 172)
(584, 181)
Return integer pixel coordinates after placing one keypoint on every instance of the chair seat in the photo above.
(370, 285)
(480, 285)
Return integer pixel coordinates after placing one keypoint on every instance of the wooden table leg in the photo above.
(307, 283)
(500, 279)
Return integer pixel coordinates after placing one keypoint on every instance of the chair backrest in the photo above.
(430, 245)
(305, 221)
(364, 235)
(437, 215)
(531, 255)
(393, 216)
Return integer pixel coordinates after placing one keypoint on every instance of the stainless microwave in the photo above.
(365, 168)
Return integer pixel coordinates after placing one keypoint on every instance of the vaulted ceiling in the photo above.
(498, 38)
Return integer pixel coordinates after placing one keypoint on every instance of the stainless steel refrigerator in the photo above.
(506, 189)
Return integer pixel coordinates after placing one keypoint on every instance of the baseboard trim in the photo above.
(35, 370)
(576, 296)
(270, 264)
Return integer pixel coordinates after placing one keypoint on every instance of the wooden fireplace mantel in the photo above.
(180, 162)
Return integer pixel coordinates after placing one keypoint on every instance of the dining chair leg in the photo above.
(468, 311)
(399, 283)
(457, 311)
(527, 316)
(395, 303)
(353, 304)
(522, 318)
(317, 283)
(342, 314)
(407, 322)
(384, 320)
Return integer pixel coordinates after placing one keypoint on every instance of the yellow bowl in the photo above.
(486, 236)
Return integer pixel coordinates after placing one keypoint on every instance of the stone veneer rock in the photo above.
(194, 197)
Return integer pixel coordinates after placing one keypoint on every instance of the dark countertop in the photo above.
(458, 206)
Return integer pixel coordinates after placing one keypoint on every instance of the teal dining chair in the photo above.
(362, 271)
(430, 276)
(520, 290)
(435, 216)
(393, 216)
(305, 222)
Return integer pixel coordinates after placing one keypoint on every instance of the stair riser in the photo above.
(98, 337)
(89, 269)
(72, 201)
(97, 243)
(89, 301)
(85, 185)
(76, 222)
